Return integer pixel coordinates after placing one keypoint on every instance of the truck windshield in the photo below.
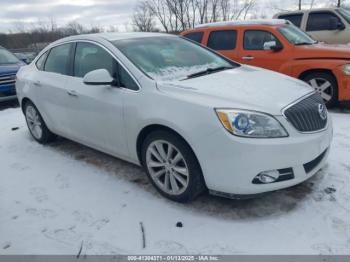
(295, 36)
(171, 58)
(345, 13)
(7, 58)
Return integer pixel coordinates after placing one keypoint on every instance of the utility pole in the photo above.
(300, 4)
(339, 3)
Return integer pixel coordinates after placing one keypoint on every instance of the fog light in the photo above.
(267, 177)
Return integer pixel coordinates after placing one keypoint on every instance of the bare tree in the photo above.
(202, 7)
(178, 15)
(242, 8)
(160, 11)
(143, 18)
(74, 28)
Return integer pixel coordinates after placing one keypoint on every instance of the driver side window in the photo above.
(321, 21)
(255, 39)
(90, 57)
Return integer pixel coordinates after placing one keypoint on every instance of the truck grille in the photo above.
(7, 80)
(306, 115)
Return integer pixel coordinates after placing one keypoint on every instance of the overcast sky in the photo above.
(18, 14)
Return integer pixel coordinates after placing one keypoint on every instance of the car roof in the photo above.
(308, 10)
(113, 36)
(269, 22)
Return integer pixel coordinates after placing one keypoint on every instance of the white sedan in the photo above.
(193, 119)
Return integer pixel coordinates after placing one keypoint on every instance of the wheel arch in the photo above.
(24, 101)
(155, 127)
(317, 70)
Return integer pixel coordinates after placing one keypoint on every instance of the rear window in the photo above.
(222, 40)
(295, 18)
(196, 36)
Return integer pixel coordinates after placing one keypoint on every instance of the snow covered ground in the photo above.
(59, 198)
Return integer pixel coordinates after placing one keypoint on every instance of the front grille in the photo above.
(305, 115)
(314, 163)
(7, 80)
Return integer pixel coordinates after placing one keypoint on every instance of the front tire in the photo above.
(325, 85)
(172, 167)
(36, 124)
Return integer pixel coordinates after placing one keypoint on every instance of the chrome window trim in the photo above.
(103, 47)
(296, 102)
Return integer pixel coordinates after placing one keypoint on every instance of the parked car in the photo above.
(329, 25)
(9, 65)
(280, 46)
(192, 118)
(26, 57)
(22, 57)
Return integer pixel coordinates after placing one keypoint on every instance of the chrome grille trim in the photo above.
(8, 79)
(303, 117)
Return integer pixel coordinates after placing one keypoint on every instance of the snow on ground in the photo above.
(56, 199)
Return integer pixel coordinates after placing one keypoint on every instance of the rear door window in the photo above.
(58, 59)
(321, 21)
(293, 18)
(195, 36)
(222, 40)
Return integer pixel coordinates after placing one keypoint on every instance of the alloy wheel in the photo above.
(167, 167)
(323, 87)
(34, 123)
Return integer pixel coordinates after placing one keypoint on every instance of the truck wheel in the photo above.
(325, 85)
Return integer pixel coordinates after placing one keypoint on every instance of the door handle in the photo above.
(248, 57)
(72, 93)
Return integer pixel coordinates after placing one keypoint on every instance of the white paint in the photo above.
(53, 198)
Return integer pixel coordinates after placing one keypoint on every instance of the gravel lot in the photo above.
(64, 197)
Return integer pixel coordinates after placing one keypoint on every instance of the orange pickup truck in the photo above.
(280, 46)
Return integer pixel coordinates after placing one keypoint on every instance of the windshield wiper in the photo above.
(208, 71)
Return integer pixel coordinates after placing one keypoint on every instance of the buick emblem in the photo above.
(322, 111)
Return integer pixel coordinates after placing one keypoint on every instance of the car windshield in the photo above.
(171, 58)
(345, 13)
(7, 58)
(295, 35)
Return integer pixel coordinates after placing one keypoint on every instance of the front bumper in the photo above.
(230, 163)
(7, 92)
(343, 85)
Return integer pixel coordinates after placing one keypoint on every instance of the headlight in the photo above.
(250, 124)
(346, 69)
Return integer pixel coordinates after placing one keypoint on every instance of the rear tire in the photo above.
(325, 85)
(172, 167)
(36, 124)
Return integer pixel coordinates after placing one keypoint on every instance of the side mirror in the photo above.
(98, 77)
(25, 60)
(272, 45)
(341, 26)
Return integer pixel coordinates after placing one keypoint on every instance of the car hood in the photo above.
(244, 87)
(8, 69)
(323, 51)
